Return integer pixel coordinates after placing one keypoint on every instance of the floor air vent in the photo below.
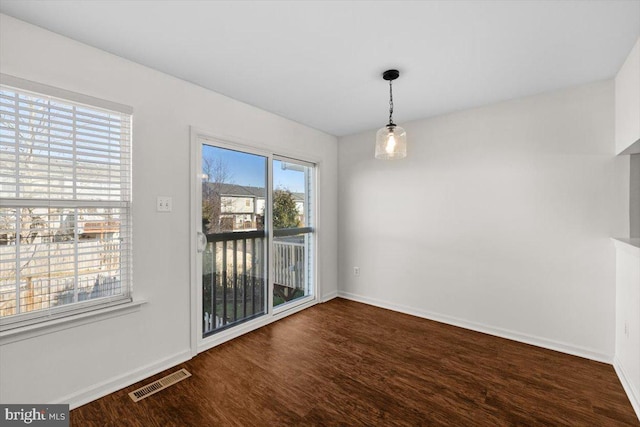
(159, 385)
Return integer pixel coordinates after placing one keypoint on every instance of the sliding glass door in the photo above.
(293, 231)
(234, 267)
(255, 227)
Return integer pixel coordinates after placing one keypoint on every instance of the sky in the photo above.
(250, 169)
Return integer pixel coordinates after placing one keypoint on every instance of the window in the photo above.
(293, 231)
(65, 194)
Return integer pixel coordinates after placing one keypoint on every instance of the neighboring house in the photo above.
(242, 207)
(89, 226)
(58, 224)
(299, 199)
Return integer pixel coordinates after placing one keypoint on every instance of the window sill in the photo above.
(43, 328)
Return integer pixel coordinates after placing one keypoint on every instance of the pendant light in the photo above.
(391, 140)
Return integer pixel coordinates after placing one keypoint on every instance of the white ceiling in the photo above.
(320, 63)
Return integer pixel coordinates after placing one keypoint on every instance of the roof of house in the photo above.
(247, 191)
(241, 190)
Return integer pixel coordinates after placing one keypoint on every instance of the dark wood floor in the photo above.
(345, 363)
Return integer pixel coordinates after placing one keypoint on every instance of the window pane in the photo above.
(7, 262)
(293, 232)
(60, 151)
(234, 276)
(58, 256)
(233, 190)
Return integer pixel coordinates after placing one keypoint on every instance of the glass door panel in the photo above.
(234, 267)
(293, 232)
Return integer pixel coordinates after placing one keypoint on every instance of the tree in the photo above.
(34, 224)
(217, 173)
(285, 212)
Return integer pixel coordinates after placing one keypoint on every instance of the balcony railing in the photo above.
(233, 288)
(233, 284)
(288, 264)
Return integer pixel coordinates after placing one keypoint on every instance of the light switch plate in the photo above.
(163, 204)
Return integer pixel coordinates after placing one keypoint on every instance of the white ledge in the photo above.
(37, 329)
(633, 148)
(631, 245)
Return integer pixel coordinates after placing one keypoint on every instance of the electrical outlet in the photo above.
(356, 271)
(163, 204)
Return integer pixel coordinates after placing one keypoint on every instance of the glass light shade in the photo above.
(391, 143)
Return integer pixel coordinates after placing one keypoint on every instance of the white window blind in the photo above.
(65, 194)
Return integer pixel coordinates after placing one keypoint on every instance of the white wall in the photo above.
(627, 103)
(499, 219)
(634, 195)
(627, 349)
(72, 365)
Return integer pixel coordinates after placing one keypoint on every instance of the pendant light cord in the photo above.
(390, 104)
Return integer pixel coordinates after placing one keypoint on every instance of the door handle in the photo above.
(201, 242)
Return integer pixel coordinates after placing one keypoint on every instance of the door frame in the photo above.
(197, 343)
(302, 300)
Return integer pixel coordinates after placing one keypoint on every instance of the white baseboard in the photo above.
(97, 391)
(478, 327)
(632, 393)
(329, 296)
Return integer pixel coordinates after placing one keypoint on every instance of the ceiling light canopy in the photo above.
(391, 140)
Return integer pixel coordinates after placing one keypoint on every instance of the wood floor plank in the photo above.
(346, 363)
